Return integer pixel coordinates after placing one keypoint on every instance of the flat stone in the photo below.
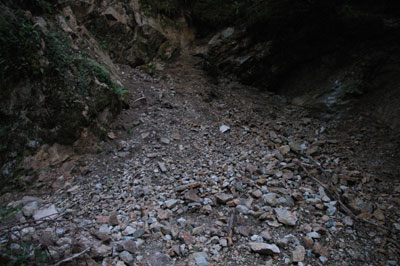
(128, 245)
(162, 167)
(158, 259)
(25, 200)
(191, 195)
(139, 232)
(285, 216)
(171, 203)
(201, 258)
(319, 249)
(165, 140)
(271, 199)
(298, 253)
(129, 230)
(257, 193)
(126, 257)
(244, 230)
(224, 128)
(242, 209)
(49, 212)
(164, 214)
(102, 219)
(313, 235)
(263, 248)
(284, 149)
(282, 242)
(266, 235)
(101, 251)
(223, 197)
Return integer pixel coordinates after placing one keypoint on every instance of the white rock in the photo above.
(263, 248)
(30, 208)
(49, 212)
(224, 128)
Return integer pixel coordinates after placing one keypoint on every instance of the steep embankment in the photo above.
(192, 166)
(200, 169)
(59, 84)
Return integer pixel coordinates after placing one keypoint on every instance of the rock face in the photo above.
(70, 96)
(60, 81)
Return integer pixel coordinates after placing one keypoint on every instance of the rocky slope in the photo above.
(204, 166)
(191, 167)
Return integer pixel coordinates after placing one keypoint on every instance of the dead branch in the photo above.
(231, 226)
(73, 256)
(336, 196)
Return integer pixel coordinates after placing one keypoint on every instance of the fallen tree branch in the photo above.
(346, 209)
(137, 100)
(73, 256)
(231, 226)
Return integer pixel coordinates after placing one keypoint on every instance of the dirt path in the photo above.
(187, 157)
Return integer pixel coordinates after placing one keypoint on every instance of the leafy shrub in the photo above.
(20, 42)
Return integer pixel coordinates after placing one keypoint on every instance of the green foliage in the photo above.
(5, 214)
(88, 70)
(20, 42)
(28, 254)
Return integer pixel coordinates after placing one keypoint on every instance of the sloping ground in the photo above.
(190, 161)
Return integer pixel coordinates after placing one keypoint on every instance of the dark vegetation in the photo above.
(46, 85)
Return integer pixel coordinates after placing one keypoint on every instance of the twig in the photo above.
(314, 161)
(29, 223)
(141, 98)
(342, 205)
(231, 225)
(73, 256)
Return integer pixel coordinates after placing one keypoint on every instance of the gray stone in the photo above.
(158, 259)
(101, 251)
(257, 193)
(348, 221)
(282, 242)
(266, 235)
(285, 216)
(129, 230)
(224, 128)
(313, 235)
(162, 167)
(270, 198)
(201, 259)
(165, 141)
(263, 248)
(24, 201)
(298, 253)
(223, 197)
(139, 232)
(126, 257)
(331, 211)
(171, 203)
(48, 213)
(323, 259)
(29, 209)
(242, 209)
(128, 245)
